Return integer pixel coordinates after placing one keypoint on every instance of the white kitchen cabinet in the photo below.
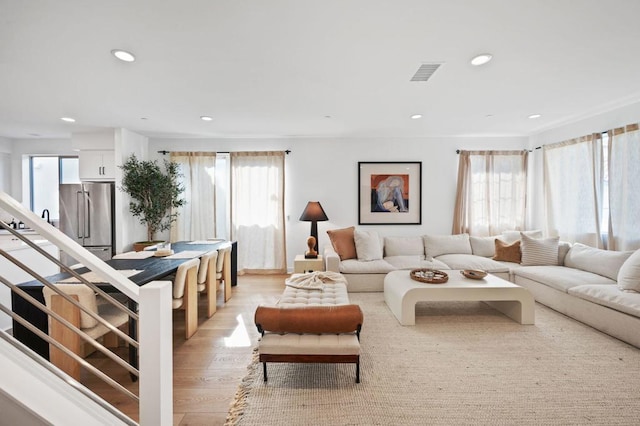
(11, 272)
(97, 165)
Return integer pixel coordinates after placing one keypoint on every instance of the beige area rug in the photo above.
(462, 364)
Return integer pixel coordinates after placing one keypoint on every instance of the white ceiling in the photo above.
(279, 68)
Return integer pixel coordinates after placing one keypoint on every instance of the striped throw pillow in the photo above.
(539, 251)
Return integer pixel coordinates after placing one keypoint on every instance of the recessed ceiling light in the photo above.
(535, 116)
(123, 55)
(206, 118)
(416, 116)
(481, 59)
(68, 119)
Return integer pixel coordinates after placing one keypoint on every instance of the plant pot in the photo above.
(141, 245)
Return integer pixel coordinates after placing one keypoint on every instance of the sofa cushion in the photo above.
(483, 246)
(629, 274)
(436, 245)
(402, 246)
(506, 252)
(414, 262)
(354, 266)
(513, 236)
(368, 245)
(343, 242)
(331, 294)
(602, 262)
(470, 261)
(560, 277)
(309, 344)
(563, 249)
(610, 296)
(538, 251)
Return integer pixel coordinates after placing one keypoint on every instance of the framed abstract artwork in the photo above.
(389, 193)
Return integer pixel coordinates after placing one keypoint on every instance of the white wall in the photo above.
(326, 170)
(5, 165)
(602, 122)
(128, 228)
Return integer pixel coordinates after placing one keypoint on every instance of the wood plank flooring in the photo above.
(207, 368)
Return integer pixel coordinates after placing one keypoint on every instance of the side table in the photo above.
(302, 265)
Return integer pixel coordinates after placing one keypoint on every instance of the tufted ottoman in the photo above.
(331, 295)
(310, 325)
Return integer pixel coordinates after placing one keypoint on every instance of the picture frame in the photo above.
(390, 193)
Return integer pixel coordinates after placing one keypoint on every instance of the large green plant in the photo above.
(153, 191)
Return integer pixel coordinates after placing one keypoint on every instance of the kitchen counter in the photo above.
(27, 231)
(13, 245)
(32, 259)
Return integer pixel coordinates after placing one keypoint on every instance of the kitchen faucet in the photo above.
(45, 212)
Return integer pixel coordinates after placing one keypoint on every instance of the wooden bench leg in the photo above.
(358, 371)
(264, 371)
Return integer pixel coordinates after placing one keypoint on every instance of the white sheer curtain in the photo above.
(624, 188)
(491, 194)
(257, 211)
(572, 189)
(196, 219)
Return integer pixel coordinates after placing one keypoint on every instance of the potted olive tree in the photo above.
(154, 192)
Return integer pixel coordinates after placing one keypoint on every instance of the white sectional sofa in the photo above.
(576, 280)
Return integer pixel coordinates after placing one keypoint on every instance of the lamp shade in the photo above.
(313, 212)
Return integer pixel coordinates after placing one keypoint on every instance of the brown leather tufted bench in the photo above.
(322, 334)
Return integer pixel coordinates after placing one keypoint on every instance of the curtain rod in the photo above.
(165, 152)
(528, 150)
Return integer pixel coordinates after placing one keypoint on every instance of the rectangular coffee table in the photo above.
(401, 293)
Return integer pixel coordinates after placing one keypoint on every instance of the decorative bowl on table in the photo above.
(429, 276)
(474, 274)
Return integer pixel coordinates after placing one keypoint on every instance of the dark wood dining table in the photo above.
(152, 269)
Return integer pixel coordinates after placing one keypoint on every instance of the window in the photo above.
(591, 189)
(46, 174)
(491, 192)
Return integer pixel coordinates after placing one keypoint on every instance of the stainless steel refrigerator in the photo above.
(87, 215)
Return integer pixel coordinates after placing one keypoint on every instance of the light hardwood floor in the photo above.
(207, 368)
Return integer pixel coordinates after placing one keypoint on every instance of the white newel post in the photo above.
(156, 354)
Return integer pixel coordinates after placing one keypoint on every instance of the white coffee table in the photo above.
(401, 293)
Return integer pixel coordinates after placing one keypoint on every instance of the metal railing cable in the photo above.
(52, 314)
(69, 270)
(67, 351)
(69, 380)
(70, 299)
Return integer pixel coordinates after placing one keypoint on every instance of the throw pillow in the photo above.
(598, 261)
(403, 246)
(367, 245)
(343, 242)
(435, 245)
(507, 252)
(629, 274)
(538, 251)
(483, 246)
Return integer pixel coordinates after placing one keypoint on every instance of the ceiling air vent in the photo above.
(425, 72)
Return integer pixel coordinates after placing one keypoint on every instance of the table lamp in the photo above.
(313, 213)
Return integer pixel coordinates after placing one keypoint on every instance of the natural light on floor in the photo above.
(239, 338)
